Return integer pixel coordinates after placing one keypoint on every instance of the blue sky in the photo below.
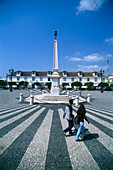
(85, 35)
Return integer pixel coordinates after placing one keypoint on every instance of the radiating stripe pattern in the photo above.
(31, 138)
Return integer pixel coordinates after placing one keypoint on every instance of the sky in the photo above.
(84, 35)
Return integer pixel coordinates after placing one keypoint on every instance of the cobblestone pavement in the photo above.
(31, 137)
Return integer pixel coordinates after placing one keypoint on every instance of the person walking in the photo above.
(81, 115)
(69, 116)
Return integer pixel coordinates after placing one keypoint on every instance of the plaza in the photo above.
(31, 137)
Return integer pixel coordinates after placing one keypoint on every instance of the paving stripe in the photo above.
(35, 156)
(102, 137)
(103, 111)
(14, 115)
(57, 153)
(80, 156)
(11, 126)
(13, 155)
(7, 122)
(102, 156)
(8, 139)
(101, 115)
(106, 124)
(14, 112)
(10, 110)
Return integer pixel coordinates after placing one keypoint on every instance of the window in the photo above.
(72, 79)
(48, 78)
(33, 78)
(18, 78)
(95, 79)
(103, 79)
(25, 78)
(41, 78)
(80, 79)
(49, 72)
(95, 73)
(65, 73)
(88, 79)
(64, 79)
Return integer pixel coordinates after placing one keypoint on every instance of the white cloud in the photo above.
(75, 59)
(89, 5)
(77, 53)
(109, 55)
(93, 57)
(88, 68)
(66, 57)
(109, 40)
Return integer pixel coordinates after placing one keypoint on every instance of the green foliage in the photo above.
(79, 84)
(103, 84)
(48, 84)
(37, 83)
(65, 84)
(12, 83)
(3, 83)
(89, 84)
(23, 83)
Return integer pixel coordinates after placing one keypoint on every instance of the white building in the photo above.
(65, 77)
(110, 79)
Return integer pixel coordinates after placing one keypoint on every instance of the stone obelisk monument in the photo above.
(55, 90)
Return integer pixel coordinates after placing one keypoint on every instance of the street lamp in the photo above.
(11, 71)
(101, 73)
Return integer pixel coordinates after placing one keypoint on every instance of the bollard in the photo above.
(68, 92)
(31, 99)
(77, 100)
(31, 92)
(21, 97)
(79, 93)
(88, 98)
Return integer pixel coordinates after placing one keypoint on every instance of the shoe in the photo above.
(84, 137)
(77, 140)
(64, 133)
(71, 133)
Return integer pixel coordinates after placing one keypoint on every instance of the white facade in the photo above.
(110, 79)
(65, 77)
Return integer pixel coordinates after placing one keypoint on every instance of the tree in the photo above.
(103, 84)
(37, 83)
(48, 84)
(79, 84)
(65, 84)
(3, 83)
(12, 83)
(89, 84)
(23, 83)
(111, 85)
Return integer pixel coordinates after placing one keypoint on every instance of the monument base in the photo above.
(55, 91)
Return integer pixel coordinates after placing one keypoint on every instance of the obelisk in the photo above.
(55, 90)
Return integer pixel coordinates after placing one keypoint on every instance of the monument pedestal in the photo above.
(55, 90)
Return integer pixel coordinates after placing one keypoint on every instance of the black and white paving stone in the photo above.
(31, 137)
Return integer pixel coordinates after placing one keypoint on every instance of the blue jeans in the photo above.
(80, 129)
(70, 125)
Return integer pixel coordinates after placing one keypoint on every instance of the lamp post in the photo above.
(11, 71)
(101, 73)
